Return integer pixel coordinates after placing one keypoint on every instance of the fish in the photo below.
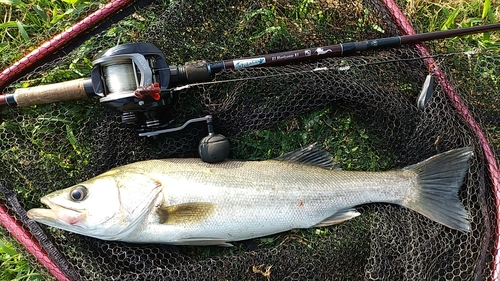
(185, 201)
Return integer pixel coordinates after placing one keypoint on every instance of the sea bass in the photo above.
(190, 202)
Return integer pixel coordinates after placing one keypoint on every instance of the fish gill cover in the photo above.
(361, 108)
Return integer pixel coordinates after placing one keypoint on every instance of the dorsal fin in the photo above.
(311, 155)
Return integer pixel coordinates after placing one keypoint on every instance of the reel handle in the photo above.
(69, 90)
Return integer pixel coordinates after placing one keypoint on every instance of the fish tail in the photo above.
(438, 180)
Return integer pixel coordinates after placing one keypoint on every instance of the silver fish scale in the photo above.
(260, 198)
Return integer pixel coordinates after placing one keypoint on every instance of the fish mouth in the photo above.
(56, 214)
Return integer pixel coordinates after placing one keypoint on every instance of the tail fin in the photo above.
(437, 183)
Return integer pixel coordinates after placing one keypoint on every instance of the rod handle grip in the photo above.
(69, 90)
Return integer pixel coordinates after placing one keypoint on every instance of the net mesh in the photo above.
(362, 108)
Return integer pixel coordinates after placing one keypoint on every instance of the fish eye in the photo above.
(78, 193)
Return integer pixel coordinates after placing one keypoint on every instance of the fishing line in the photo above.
(339, 69)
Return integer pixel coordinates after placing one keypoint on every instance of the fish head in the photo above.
(109, 206)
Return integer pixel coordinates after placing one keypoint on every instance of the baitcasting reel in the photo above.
(131, 77)
(135, 79)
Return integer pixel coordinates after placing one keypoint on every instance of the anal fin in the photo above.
(204, 241)
(339, 217)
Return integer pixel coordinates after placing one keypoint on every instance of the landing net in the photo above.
(362, 108)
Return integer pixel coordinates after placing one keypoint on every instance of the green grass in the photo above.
(13, 265)
(451, 14)
(27, 23)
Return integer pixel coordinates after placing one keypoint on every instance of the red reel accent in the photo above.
(152, 90)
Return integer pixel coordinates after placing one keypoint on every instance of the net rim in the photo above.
(491, 164)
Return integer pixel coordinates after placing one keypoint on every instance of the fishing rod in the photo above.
(136, 79)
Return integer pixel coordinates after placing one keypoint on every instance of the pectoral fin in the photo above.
(338, 217)
(186, 213)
